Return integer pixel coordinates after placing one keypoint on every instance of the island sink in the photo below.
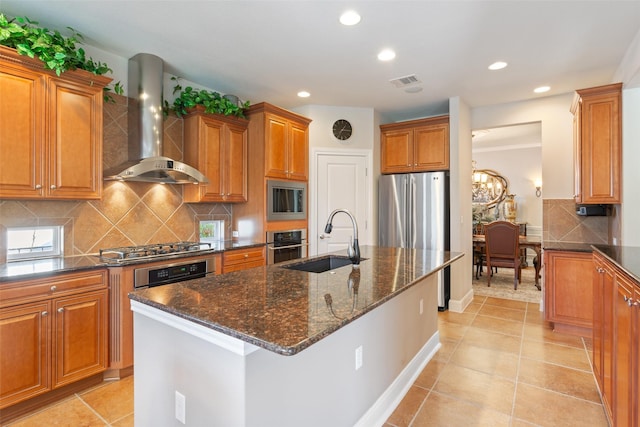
(320, 265)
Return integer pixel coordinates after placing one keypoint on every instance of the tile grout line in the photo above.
(106, 423)
(517, 379)
(440, 374)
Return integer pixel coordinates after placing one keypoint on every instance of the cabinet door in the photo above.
(21, 133)
(397, 151)
(603, 301)
(80, 337)
(25, 357)
(431, 148)
(569, 290)
(242, 259)
(74, 150)
(236, 165)
(275, 147)
(577, 153)
(211, 159)
(600, 148)
(298, 152)
(623, 404)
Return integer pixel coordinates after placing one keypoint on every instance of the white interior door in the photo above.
(342, 182)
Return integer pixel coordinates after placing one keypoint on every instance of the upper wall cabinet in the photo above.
(217, 146)
(286, 141)
(50, 131)
(415, 146)
(597, 135)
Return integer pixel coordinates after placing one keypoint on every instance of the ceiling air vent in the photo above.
(405, 81)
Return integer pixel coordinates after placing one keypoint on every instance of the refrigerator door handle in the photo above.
(410, 213)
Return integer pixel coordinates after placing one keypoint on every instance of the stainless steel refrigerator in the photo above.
(413, 212)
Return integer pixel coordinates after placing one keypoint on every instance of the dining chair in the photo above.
(502, 248)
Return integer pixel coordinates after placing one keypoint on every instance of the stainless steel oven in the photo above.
(173, 272)
(286, 245)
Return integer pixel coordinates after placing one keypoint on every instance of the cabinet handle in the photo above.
(61, 310)
(600, 270)
(38, 186)
(53, 288)
(53, 186)
(44, 313)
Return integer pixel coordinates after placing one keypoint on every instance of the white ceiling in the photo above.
(269, 50)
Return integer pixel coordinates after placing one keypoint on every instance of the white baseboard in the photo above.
(382, 409)
(458, 306)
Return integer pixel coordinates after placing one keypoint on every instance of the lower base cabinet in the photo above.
(568, 291)
(53, 332)
(241, 259)
(616, 342)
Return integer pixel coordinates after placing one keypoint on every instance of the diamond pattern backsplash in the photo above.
(128, 214)
(560, 223)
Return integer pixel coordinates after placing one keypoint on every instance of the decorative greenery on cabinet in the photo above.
(57, 52)
(213, 102)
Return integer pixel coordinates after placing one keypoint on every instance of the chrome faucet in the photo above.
(353, 250)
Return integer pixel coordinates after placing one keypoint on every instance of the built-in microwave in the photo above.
(286, 200)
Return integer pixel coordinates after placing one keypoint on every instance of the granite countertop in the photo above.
(284, 310)
(566, 246)
(30, 269)
(626, 258)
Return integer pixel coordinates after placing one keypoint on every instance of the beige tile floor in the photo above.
(500, 365)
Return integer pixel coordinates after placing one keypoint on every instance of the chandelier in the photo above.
(488, 187)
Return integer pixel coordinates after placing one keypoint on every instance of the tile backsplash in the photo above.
(560, 223)
(128, 214)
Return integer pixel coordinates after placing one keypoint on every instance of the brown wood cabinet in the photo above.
(616, 351)
(278, 148)
(285, 136)
(241, 259)
(50, 131)
(569, 291)
(217, 146)
(597, 136)
(53, 332)
(415, 146)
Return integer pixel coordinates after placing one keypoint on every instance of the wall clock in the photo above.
(342, 129)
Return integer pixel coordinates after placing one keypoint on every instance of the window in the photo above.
(34, 242)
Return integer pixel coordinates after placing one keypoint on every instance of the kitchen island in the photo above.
(273, 346)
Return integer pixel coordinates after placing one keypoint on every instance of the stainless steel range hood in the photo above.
(146, 162)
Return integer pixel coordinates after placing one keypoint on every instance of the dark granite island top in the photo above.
(285, 310)
(272, 346)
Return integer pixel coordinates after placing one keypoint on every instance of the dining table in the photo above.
(526, 242)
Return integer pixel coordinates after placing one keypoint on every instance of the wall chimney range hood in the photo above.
(146, 163)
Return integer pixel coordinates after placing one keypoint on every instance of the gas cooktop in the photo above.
(154, 251)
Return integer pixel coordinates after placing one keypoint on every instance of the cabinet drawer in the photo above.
(242, 258)
(21, 291)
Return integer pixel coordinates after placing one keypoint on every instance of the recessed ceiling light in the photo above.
(497, 65)
(304, 94)
(542, 89)
(414, 89)
(386, 55)
(350, 17)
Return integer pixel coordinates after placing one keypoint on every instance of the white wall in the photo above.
(366, 136)
(460, 204)
(521, 167)
(557, 136)
(630, 171)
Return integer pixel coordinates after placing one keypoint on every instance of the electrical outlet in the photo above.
(181, 407)
(235, 233)
(358, 358)
(421, 305)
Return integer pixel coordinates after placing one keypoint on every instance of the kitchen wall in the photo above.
(128, 214)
